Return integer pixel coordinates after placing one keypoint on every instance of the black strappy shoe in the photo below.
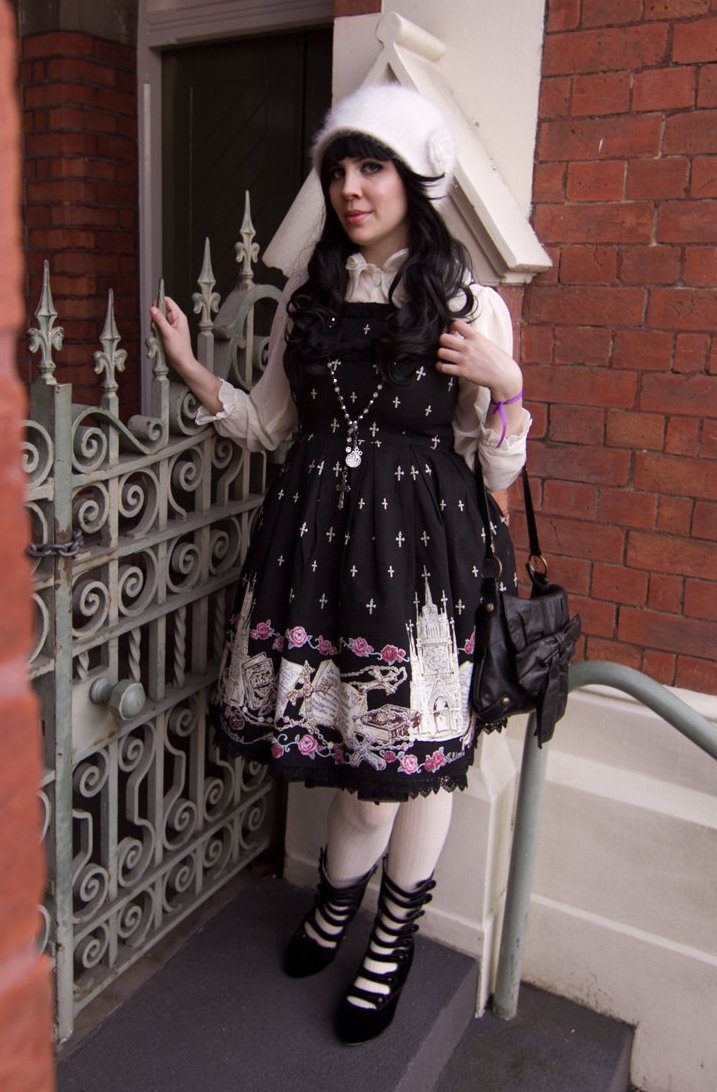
(337, 906)
(360, 1023)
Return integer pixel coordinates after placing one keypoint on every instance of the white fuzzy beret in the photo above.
(407, 123)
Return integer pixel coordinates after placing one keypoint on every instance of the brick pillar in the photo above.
(79, 105)
(26, 1063)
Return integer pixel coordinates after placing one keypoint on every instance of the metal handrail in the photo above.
(527, 817)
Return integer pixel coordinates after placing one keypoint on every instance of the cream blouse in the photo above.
(266, 416)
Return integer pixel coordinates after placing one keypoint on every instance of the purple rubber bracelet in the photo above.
(499, 408)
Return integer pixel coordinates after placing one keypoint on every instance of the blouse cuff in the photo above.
(490, 439)
(228, 396)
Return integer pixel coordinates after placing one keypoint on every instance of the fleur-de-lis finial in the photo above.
(247, 251)
(45, 336)
(110, 359)
(206, 302)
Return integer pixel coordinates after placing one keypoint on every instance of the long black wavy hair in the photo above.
(434, 273)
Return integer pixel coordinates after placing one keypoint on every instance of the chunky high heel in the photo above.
(390, 945)
(334, 906)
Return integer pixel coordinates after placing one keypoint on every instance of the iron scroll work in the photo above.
(139, 530)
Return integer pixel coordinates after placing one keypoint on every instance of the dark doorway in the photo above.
(237, 116)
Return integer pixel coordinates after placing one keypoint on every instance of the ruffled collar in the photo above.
(369, 283)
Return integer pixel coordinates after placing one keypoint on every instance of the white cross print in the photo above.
(399, 472)
(400, 539)
(396, 402)
(323, 600)
(303, 529)
(426, 575)
(291, 595)
(362, 503)
(390, 570)
(334, 425)
(428, 470)
(420, 373)
(373, 430)
(443, 505)
(444, 601)
(353, 570)
(435, 442)
(280, 494)
(460, 606)
(331, 534)
(314, 565)
(281, 559)
(353, 396)
(314, 393)
(295, 498)
(367, 327)
(312, 464)
(475, 570)
(337, 468)
(425, 538)
(384, 504)
(450, 383)
(429, 411)
(482, 533)
(414, 473)
(371, 606)
(461, 505)
(320, 467)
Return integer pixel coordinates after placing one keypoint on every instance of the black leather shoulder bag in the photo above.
(522, 646)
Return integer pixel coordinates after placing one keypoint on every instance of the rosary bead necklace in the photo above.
(353, 451)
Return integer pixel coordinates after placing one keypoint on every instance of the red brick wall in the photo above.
(619, 340)
(80, 120)
(26, 1063)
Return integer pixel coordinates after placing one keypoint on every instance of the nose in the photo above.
(351, 181)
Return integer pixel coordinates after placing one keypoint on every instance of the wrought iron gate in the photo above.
(138, 532)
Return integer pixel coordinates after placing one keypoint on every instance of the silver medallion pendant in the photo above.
(353, 457)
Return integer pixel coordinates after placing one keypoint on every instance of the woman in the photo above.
(349, 655)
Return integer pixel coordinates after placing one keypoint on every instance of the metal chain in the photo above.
(56, 549)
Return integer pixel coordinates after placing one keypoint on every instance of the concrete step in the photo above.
(220, 1016)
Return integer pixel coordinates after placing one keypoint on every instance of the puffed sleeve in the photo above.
(266, 416)
(501, 465)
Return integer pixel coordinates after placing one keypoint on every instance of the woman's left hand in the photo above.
(464, 352)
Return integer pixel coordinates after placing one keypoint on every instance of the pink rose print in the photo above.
(360, 646)
(278, 644)
(308, 745)
(297, 637)
(338, 755)
(469, 646)
(262, 631)
(326, 648)
(435, 761)
(391, 655)
(408, 763)
(388, 756)
(277, 750)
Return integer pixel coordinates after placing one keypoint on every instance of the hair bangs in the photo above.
(354, 146)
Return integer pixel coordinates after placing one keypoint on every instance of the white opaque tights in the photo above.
(360, 832)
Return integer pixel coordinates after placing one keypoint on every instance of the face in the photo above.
(369, 198)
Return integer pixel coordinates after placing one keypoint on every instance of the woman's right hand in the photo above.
(174, 332)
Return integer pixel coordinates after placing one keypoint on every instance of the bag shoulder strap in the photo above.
(536, 556)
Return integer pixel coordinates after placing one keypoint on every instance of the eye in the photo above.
(371, 166)
(336, 174)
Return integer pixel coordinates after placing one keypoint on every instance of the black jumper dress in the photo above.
(349, 653)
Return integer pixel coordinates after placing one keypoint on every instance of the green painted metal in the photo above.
(139, 529)
(527, 820)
